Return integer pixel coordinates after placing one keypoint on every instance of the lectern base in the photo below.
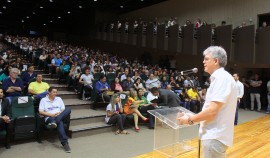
(172, 151)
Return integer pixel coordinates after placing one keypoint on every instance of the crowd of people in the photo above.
(91, 73)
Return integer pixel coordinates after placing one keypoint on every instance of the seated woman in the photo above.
(138, 85)
(145, 106)
(114, 114)
(116, 86)
(131, 107)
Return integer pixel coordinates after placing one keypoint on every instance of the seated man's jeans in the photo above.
(41, 95)
(60, 125)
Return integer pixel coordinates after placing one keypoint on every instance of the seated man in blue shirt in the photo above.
(102, 87)
(13, 86)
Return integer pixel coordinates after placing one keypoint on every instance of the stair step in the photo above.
(77, 103)
(48, 76)
(90, 129)
(86, 120)
(60, 87)
(68, 95)
(39, 71)
(51, 80)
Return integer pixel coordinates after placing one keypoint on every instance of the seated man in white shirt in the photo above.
(53, 108)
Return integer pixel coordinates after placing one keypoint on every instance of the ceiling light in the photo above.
(68, 12)
(95, 0)
(51, 21)
(8, 1)
(4, 7)
(27, 17)
(22, 21)
(141, 0)
(51, 1)
(59, 17)
(41, 7)
(1, 13)
(80, 6)
(121, 6)
(44, 24)
(34, 13)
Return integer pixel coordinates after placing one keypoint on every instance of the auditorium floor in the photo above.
(105, 145)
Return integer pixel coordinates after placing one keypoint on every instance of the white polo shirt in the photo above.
(52, 107)
(222, 89)
(240, 89)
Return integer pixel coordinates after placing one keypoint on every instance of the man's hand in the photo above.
(183, 118)
(6, 119)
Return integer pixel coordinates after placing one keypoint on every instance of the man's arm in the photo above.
(206, 115)
(32, 91)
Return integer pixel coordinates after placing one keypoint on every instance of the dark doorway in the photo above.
(263, 17)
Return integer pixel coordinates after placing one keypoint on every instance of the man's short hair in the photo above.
(51, 88)
(154, 89)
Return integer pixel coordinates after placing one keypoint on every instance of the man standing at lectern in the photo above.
(217, 116)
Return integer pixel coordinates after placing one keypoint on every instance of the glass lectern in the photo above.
(167, 133)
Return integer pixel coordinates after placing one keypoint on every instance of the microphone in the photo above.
(186, 72)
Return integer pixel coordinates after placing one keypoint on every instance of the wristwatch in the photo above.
(190, 122)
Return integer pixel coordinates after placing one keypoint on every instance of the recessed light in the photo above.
(1, 13)
(121, 6)
(41, 7)
(59, 17)
(51, 1)
(51, 21)
(27, 17)
(80, 6)
(34, 13)
(95, 0)
(68, 12)
(8, 1)
(142, 0)
(4, 7)
(44, 24)
(22, 21)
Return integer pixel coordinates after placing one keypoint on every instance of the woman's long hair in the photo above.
(138, 96)
(113, 102)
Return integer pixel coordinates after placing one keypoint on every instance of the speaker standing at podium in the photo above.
(217, 116)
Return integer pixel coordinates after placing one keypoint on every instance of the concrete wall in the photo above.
(212, 11)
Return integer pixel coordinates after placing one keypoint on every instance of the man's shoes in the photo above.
(52, 125)
(67, 148)
(268, 112)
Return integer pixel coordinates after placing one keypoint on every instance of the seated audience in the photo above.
(5, 113)
(152, 82)
(194, 99)
(144, 106)
(28, 75)
(13, 86)
(38, 88)
(185, 100)
(114, 114)
(127, 84)
(102, 87)
(87, 81)
(63, 71)
(131, 107)
(138, 85)
(54, 110)
(116, 86)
